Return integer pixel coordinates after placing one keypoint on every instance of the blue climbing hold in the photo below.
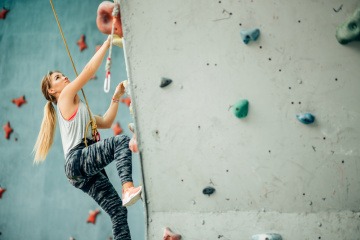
(208, 191)
(306, 118)
(250, 35)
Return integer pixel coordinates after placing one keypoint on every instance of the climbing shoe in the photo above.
(131, 195)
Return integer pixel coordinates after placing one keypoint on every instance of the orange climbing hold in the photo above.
(117, 129)
(169, 235)
(3, 13)
(127, 101)
(81, 43)
(2, 190)
(19, 101)
(8, 130)
(92, 216)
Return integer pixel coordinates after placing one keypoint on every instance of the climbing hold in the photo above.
(72, 238)
(19, 101)
(241, 108)
(3, 13)
(306, 118)
(126, 85)
(208, 190)
(92, 216)
(105, 19)
(126, 101)
(81, 43)
(8, 130)
(165, 82)
(117, 41)
(349, 30)
(131, 127)
(267, 236)
(169, 235)
(133, 144)
(2, 190)
(117, 129)
(250, 35)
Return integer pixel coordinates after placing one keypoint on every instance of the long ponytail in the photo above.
(46, 135)
(45, 138)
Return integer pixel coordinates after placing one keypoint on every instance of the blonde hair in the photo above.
(45, 138)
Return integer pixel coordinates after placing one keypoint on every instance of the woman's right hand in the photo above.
(119, 91)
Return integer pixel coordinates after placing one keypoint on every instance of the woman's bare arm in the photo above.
(68, 94)
(107, 120)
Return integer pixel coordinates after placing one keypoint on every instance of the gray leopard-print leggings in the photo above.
(84, 167)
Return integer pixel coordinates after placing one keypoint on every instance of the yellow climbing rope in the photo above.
(92, 121)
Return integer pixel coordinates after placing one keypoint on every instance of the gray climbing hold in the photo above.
(306, 118)
(208, 190)
(165, 82)
(250, 35)
(267, 236)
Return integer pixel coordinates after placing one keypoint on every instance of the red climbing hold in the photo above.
(3, 13)
(127, 101)
(117, 129)
(105, 19)
(8, 130)
(92, 216)
(2, 190)
(169, 235)
(19, 101)
(81, 43)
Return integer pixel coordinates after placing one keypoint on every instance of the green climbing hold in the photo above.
(350, 29)
(241, 108)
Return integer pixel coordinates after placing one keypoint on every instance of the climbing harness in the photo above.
(95, 134)
(115, 12)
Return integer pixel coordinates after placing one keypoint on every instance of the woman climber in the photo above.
(84, 165)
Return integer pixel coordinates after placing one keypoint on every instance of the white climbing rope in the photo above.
(108, 60)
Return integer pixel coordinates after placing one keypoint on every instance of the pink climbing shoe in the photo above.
(169, 235)
(131, 195)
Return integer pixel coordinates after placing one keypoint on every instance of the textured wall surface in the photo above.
(271, 172)
(39, 202)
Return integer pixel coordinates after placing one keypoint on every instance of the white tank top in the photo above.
(72, 131)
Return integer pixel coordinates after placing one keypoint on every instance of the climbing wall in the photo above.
(39, 203)
(271, 172)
